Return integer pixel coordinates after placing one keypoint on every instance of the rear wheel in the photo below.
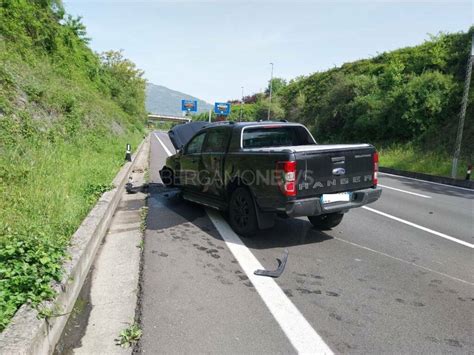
(326, 221)
(242, 214)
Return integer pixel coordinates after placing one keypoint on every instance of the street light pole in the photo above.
(271, 85)
(462, 115)
(241, 104)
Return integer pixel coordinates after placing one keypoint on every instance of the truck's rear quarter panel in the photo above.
(257, 170)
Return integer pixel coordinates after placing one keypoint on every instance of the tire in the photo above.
(242, 214)
(167, 177)
(326, 221)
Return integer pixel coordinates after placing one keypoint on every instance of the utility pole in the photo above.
(210, 114)
(241, 104)
(462, 115)
(271, 85)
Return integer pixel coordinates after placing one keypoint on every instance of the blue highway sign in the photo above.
(222, 108)
(189, 105)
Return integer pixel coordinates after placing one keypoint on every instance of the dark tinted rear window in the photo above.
(275, 136)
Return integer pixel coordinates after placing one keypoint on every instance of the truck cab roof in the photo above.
(182, 133)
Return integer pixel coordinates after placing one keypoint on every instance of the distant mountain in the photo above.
(160, 99)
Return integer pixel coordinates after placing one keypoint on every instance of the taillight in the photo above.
(376, 169)
(286, 177)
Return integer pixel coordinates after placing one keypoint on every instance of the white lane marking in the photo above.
(163, 145)
(442, 235)
(300, 333)
(403, 261)
(428, 182)
(404, 191)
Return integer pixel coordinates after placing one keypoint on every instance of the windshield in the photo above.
(276, 136)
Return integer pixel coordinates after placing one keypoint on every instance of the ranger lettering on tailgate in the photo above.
(335, 182)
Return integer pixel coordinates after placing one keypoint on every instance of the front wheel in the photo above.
(167, 176)
(326, 221)
(242, 214)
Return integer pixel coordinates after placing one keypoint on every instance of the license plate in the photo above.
(340, 197)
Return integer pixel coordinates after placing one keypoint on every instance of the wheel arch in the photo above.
(264, 220)
(236, 182)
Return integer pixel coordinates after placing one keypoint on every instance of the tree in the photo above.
(77, 27)
(125, 81)
(277, 85)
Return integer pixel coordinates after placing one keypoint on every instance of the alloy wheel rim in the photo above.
(241, 211)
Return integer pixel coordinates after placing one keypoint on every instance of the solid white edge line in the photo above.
(428, 182)
(442, 235)
(163, 145)
(298, 330)
(404, 191)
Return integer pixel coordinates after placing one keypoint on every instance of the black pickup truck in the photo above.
(256, 171)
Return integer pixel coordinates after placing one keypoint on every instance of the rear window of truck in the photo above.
(275, 136)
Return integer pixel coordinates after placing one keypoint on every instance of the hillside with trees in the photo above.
(407, 102)
(66, 114)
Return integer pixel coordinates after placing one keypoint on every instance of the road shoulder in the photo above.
(108, 300)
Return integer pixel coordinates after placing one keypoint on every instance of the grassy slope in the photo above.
(409, 158)
(62, 140)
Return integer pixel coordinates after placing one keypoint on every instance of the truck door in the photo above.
(213, 154)
(191, 163)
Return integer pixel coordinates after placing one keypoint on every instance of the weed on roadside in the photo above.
(146, 176)
(143, 216)
(129, 336)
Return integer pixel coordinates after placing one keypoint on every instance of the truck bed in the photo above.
(309, 148)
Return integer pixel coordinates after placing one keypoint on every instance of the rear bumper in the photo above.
(313, 206)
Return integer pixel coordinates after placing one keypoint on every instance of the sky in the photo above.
(211, 49)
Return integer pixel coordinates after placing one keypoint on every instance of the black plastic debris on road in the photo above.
(279, 270)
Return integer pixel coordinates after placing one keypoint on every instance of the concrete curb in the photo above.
(468, 184)
(28, 333)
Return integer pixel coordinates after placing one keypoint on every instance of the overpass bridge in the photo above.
(167, 118)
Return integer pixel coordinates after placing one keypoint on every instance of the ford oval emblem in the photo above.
(338, 171)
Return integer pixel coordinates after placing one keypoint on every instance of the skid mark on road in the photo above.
(300, 333)
(431, 231)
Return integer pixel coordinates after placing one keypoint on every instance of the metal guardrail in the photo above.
(467, 184)
(158, 117)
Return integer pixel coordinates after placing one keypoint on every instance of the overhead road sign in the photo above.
(222, 108)
(189, 105)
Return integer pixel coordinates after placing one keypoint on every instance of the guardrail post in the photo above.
(468, 173)
(128, 153)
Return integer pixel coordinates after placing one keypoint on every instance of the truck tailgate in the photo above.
(334, 168)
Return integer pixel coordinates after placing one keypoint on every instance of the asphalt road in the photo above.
(396, 277)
